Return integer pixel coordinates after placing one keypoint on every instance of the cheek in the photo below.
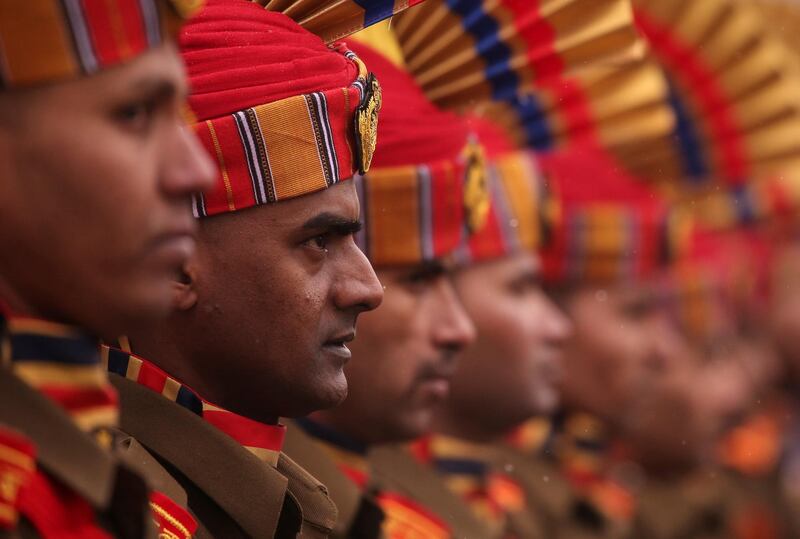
(498, 325)
(113, 184)
(393, 325)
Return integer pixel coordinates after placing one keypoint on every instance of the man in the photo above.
(610, 242)
(95, 221)
(510, 373)
(413, 201)
(265, 308)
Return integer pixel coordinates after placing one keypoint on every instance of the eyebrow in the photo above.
(428, 270)
(334, 223)
(158, 88)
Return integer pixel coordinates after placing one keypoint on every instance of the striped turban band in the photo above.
(611, 227)
(43, 41)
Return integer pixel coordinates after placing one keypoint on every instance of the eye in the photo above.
(318, 242)
(524, 284)
(136, 117)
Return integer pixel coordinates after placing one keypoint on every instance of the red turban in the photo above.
(275, 106)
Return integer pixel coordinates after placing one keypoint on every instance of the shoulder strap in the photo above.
(318, 510)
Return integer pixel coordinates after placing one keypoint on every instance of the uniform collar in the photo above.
(349, 454)
(453, 456)
(63, 363)
(263, 440)
(471, 470)
(589, 459)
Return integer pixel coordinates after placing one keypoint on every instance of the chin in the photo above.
(546, 400)
(409, 428)
(323, 397)
(149, 301)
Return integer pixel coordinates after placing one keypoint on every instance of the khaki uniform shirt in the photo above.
(229, 490)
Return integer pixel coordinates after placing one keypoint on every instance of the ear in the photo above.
(184, 293)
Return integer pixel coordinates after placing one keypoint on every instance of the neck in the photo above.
(343, 424)
(164, 347)
(12, 303)
(455, 423)
(263, 439)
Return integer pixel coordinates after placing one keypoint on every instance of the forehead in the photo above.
(271, 222)
(340, 201)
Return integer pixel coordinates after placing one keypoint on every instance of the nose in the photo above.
(358, 288)
(667, 345)
(453, 327)
(557, 327)
(187, 167)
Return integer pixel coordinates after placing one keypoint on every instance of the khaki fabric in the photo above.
(317, 509)
(713, 504)
(229, 490)
(395, 469)
(345, 494)
(557, 511)
(116, 492)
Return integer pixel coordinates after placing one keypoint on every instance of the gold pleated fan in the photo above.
(784, 18)
(334, 19)
(621, 108)
(735, 92)
(465, 50)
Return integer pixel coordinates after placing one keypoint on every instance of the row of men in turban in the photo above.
(485, 269)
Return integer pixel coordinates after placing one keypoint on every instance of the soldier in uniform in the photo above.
(97, 170)
(264, 311)
(413, 201)
(623, 341)
(510, 373)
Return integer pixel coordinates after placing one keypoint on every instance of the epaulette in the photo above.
(172, 521)
(17, 468)
(404, 515)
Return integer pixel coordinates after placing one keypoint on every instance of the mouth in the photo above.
(435, 381)
(337, 346)
(177, 242)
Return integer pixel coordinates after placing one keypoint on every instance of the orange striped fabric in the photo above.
(287, 148)
(63, 363)
(261, 439)
(610, 227)
(413, 214)
(48, 40)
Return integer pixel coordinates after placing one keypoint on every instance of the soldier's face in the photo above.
(95, 217)
(623, 341)
(512, 371)
(279, 289)
(404, 357)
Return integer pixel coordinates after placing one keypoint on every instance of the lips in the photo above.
(178, 233)
(342, 339)
(337, 346)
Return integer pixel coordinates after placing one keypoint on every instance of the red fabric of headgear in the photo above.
(239, 55)
(412, 131)
(611, 227)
